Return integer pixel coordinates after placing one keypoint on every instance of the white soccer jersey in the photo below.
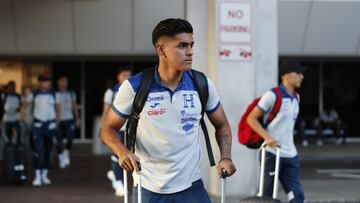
(109, 96)
(11, 107)
(44, 106)
(65, 100)
(168, 141)
(28, 112)
(282, 127)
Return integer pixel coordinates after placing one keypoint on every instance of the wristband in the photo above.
(225, 159)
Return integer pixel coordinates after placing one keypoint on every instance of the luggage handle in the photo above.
(126, 198)
(262, 172)
(223, 176)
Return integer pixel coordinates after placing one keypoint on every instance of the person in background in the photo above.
(281, 132)
(12, 105)
(116, 174)
(26, 113)
(329, 119)
(44, 129)
(69, 118)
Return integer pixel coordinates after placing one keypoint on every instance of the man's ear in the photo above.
(160, 50)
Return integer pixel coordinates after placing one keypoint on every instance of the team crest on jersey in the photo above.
(189, 101)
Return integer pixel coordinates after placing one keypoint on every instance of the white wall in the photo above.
(320, 28)
(147, 15)
(82, 27)
(103, 27)
(43, 26)
(7, 31)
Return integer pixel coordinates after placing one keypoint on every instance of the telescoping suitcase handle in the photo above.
(223, 176)
(262, 172)
(139, 197)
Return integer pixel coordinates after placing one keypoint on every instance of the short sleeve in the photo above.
(57, 98)
(73, 96)
(122, 105)
(27, 99)
(267, 101)
(108, 97)
(213, 102)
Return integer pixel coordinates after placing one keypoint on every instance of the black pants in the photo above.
(9, 127)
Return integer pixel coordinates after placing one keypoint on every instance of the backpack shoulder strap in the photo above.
(276, 108)
(202, 87)
(5, 97)
(143, 92)
(138, 104)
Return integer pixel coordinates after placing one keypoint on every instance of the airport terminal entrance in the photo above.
(89, 77)
(332, 84)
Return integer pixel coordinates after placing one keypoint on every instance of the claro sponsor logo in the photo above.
(161, 111)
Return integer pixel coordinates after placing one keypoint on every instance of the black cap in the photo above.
(44, 77)
(291, 66)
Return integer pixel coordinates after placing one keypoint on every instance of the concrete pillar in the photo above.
(238, 81)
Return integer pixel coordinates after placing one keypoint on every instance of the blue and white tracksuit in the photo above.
(67, 125)
(108, 99)
(44, 127)
(281, 128)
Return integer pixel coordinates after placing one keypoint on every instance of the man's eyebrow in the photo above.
(186, 43)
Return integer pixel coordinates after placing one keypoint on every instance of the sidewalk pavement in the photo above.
(329, 174)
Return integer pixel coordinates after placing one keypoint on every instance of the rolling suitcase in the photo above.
(15, 164)
(260, 198)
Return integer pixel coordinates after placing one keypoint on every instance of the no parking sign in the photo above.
(235, 30)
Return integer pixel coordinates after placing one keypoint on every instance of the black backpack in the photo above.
(201, 85)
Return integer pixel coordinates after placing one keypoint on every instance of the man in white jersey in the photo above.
(12, 106)
(69, 118)
(44, 129)
(280, 131)
(168, 139)
(115, 175)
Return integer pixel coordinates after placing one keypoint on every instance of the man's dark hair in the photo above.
(11, 83)
(122, 69)
(170, 27)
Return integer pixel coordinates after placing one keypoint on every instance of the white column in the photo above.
(238, 82)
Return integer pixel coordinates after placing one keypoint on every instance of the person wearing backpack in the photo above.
(12, 105)
(45, 116)
(167, 142)
(280, 131)
(69, 119)
(115, 175)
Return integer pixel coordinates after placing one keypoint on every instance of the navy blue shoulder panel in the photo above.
(135, 81)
